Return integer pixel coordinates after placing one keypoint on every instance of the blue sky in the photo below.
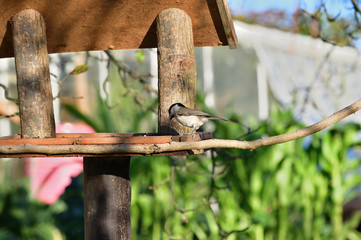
(333, 6)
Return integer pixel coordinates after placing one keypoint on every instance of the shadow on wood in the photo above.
(107, 198)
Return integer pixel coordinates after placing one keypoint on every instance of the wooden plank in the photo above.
(37, 155)
(227, 22)
(67, 139)
(96, 139)
(82, 25)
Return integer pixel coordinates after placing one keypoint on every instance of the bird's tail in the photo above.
(217, 118)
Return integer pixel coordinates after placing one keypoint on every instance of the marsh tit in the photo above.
(190, 117)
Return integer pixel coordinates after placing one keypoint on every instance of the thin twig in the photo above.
(7, 94)
(164, 181)
(222, 232)
(9, 116)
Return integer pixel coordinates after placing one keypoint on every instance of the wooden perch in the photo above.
(149, 149)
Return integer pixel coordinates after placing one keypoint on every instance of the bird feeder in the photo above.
(31, 29)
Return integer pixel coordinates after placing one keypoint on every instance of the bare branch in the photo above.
(7, 95)
(123, 68)
(10, 115)
(148, 149)
(329, 17)
(356, 6)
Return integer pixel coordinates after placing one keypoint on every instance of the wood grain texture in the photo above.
(176, 66)
(107, 198)
(96, 145)
(81, 25)
(227, 22)
(33, 78)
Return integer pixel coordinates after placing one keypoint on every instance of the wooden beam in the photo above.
(227, 23)
(33, 78)
(176, 65)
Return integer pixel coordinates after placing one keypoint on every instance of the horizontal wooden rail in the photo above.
(95, 145)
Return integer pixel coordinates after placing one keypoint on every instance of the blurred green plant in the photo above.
(24, 218)
(70, 221)
(128, 103)
(294, 190)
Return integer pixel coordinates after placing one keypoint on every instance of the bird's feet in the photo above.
(190, 133)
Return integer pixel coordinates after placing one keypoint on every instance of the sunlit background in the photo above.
(297, 62)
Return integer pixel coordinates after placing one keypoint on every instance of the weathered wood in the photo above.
(227, 23)
(107, 25)
(33, 78)
(107, 198)
(177, 66)
(88, 145)
(104, 139)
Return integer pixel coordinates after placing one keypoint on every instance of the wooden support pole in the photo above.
(107, 198)
(33, 77)
(177, 66)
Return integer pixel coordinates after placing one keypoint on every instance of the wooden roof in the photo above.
(83, 25)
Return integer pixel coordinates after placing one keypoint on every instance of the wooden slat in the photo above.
(105, 139)
(32, 155)
(227, 22)
(102, 139)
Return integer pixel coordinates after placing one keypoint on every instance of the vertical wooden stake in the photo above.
(107, 198)
(177, 66)
(33, 77)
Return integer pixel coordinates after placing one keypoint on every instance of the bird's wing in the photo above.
(194, 112)
(217, 118)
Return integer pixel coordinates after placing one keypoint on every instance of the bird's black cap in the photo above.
(170, 109)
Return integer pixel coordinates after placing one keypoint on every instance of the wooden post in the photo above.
(177, 66)
(33, 77)
(107, 198)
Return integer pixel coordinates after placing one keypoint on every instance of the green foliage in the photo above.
(103, 121)
(293, 190)
(127, 107)
(140, 56)
(79, 69)
(25, 218)
(71, 221)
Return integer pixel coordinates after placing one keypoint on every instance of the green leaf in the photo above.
(140, 56)
(105, 116)
(79, 69)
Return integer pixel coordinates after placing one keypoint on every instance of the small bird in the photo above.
(190, 117)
